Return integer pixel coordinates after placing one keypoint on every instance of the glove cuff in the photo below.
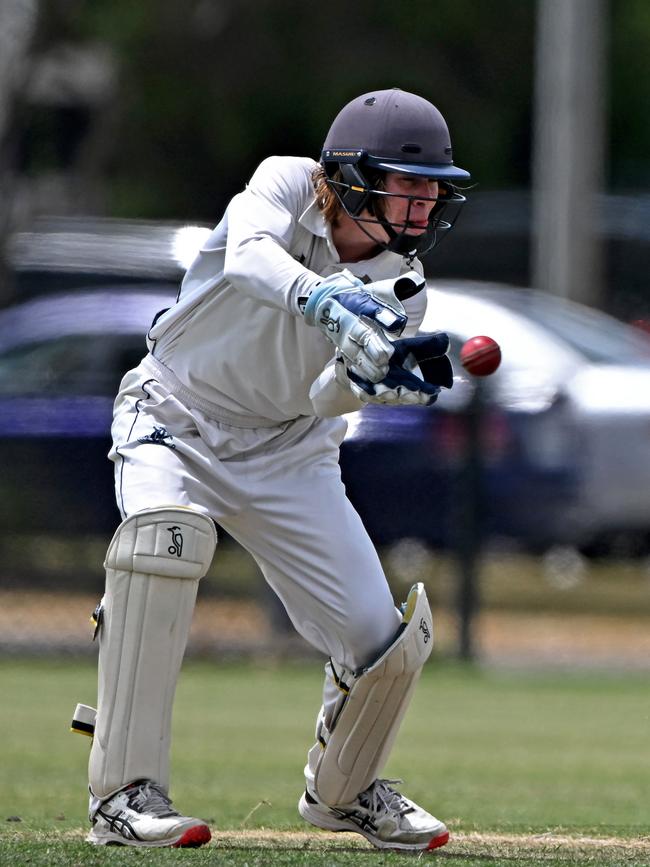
(328, 286)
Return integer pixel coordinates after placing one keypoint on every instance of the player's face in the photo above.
(413, 211)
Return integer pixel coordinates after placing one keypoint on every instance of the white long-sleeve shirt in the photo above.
(236, 336)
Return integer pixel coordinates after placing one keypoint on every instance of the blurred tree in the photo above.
(629, 145)
(65, 131)
(18, 20)
(207, 89)
(210, 89)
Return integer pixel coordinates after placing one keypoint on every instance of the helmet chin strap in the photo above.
(400, 242)
(417, 245)
(409, 245)
(405, 244)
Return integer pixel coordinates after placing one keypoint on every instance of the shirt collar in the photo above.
(312, 219)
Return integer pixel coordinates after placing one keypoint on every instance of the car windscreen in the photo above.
(599, 337)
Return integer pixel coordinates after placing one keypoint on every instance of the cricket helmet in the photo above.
(391, 131)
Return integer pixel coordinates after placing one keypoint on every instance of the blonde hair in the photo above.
(326, 199)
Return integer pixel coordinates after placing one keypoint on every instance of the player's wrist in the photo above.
(310, 303)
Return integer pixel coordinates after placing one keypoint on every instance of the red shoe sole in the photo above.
(439, 841)
(196, 836)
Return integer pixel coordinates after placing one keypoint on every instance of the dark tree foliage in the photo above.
(207, 89)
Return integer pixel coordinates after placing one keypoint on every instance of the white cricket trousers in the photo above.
(278, 492)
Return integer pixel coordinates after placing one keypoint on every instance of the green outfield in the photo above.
(525, 768)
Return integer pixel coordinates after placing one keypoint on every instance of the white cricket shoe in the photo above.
(382, 815)
(141, 814)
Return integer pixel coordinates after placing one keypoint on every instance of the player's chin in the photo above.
(416, 231)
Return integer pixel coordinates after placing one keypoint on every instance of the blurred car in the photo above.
(61, 360)
(562, 431)
(564, 425)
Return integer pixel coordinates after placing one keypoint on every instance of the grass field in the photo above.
(525, 768)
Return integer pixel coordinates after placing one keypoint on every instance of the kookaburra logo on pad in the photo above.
(176, 546)
(424, 629)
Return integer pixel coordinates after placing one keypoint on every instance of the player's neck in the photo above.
(352, 243)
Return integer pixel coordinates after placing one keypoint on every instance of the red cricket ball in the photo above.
(480, 355)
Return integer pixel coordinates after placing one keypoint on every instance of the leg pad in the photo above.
(153, 567)
(356, 743)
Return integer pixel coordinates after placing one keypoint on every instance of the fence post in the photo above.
(469, 517)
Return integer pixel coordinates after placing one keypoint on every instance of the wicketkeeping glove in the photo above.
(356, 322)
(417, 371)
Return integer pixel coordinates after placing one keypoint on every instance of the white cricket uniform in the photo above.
(235, 413)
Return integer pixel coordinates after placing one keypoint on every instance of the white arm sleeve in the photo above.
(328, 398)
(261, 224)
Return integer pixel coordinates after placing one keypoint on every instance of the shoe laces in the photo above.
(381, 797)
(149, 798)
